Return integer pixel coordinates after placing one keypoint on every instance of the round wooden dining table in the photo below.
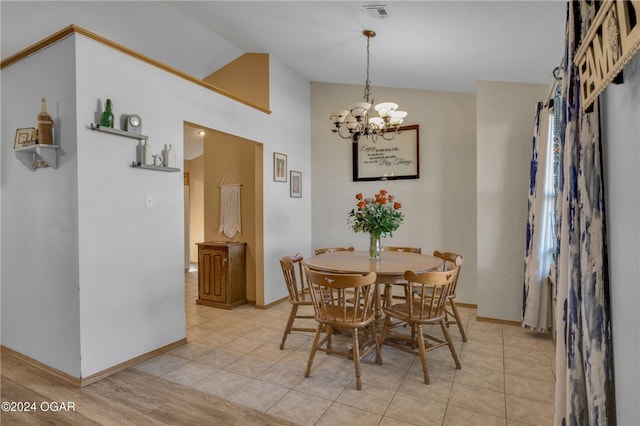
(389, 269)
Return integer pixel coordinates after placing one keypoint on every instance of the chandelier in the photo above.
(360, 120)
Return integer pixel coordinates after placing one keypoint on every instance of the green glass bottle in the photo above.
(107, 115)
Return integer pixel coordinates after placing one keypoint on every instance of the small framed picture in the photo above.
(296, 184)
(279, 167)
(25, 137)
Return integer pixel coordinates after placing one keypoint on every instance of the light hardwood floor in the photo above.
(130, 397)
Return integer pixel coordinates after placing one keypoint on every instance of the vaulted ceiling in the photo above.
(431, 45)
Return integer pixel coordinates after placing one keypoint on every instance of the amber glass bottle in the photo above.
(45, 125)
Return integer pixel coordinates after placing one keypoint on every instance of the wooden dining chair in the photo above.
(345, 302)
(451, 258)
(403, 249)
(397, 285)
(298, 293)
(427, 299)
(331, 249)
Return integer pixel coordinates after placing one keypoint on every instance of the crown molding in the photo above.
(74, 29)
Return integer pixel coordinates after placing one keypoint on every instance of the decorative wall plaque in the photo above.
(611, 42)
(388, 160)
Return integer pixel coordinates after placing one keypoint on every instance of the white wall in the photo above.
(439, 207)
(131, 257)
(620, 109)
(287, 221)
(505, 119)
(40, 283)
(116, 263)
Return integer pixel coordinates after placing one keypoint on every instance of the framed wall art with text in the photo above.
(383, 159)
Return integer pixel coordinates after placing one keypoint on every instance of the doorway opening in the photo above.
(211, 156)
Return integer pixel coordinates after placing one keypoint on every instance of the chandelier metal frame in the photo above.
(360, 120)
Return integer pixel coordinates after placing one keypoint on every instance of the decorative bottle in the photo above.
(107, 116)
(45, 125)
(146, 156)
(169, 157)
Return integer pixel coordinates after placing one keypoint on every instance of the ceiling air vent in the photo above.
(377, 10)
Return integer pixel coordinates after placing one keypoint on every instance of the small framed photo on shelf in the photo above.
(279, 167)
(25, 137)
(296, 184)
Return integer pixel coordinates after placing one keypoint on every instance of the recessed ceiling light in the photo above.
(200, 132)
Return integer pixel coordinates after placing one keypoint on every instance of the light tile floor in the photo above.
(507, 375)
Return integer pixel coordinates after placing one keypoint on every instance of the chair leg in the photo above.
(314, 347)
(287, 330)
(386, 325)
(376, 341)
(456, 314)
(452, 348)
(423, 353)
(356, 358)
(414, 336)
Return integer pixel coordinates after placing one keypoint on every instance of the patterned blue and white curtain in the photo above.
(584, 384)
(536, 308)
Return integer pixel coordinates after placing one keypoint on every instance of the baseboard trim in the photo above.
(499, 321)
(277, 302)
(84, 381)
(67, 378)
(467, 305)
(133, 361)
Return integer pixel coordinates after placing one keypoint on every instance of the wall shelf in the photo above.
(158, 168)
(133, 135)
(38, 156)
(119, 132)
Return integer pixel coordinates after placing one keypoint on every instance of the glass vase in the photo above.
(374, 247)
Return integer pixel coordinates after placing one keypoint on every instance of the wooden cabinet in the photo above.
(221, 274)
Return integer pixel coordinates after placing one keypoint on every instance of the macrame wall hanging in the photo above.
(230, 213)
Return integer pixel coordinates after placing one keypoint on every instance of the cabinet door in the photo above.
(213, 275)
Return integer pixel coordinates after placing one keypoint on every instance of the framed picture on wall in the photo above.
(398, 158)
(295, 184)
(25, 137)
(279, 167)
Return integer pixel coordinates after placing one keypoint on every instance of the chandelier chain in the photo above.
(367, 83)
